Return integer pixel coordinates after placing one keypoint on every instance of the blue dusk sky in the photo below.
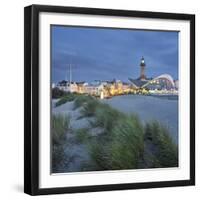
(105, 54)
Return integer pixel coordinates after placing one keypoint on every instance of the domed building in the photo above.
(164, 81)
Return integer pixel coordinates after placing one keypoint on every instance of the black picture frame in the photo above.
(31, 98)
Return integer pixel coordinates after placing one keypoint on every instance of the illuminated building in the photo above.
(163, 83)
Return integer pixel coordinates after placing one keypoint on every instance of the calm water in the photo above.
(161, 108)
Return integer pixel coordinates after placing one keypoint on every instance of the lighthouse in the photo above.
(142, 69)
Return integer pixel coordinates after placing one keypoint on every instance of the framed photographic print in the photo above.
(109, 99)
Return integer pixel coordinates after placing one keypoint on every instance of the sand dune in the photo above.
(149, 108)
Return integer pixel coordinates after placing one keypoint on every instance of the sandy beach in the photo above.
(148, 108)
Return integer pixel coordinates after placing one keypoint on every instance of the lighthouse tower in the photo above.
(142, 69)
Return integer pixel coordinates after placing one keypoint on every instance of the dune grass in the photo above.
(99, 151)
(127, 144)
(124, 143)
(60, 127)
(166, 151)
(122, 148)
(81, 99)
(90, 107)
(66, 98)
(107, 117)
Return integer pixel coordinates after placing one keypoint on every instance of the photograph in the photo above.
(114, 99)
(109, 99)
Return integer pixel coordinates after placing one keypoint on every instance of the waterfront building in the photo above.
(67, 86)
(73, 87)
(163, 82)
(94, 88)
(62, 85)
(81, 87)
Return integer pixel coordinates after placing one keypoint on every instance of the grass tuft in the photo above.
(106, 117)
(66, 98)
(90, 107)
(99, 150)
(128, 143)
(60, 126)
(166, 153)
(123, 146)
(81, 99)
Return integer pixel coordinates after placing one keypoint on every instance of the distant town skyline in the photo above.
(105, 54)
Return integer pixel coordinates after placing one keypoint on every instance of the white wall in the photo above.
(11, 101)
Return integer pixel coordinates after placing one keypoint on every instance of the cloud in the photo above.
(112, 53)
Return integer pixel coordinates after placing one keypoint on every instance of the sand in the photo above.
(148, 108)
